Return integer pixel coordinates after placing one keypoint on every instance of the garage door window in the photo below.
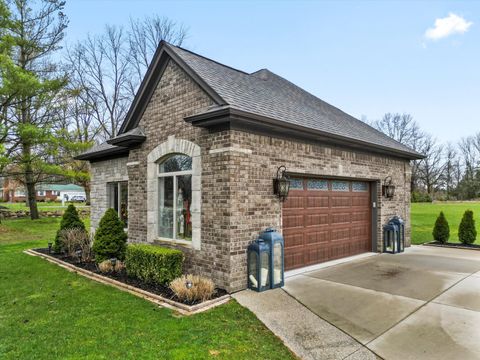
(340, 186)
(316, 184)
(296, 184)
(359, 186)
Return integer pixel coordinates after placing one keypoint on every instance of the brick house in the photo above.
(14, 191)
(193, 164)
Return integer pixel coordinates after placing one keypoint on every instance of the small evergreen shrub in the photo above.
(110, 239)
(70, 220)
(466, 231)
(153, 264)
(441, 230)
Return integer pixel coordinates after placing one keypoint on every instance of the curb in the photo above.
(154, 298)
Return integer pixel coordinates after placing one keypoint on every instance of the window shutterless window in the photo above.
(175, 197)
(41, 193)
(118, 199)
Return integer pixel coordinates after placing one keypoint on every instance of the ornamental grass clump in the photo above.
(106, 266)
(193, 288)
(441, 230)
(70, 220)
(466, 231)
(110, 238)
(76, 243)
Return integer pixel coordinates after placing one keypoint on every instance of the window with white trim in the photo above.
(55, 192)
(175, 197)
(41, 193)
(117, 197)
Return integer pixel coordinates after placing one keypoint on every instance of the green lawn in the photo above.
(423, 216)
(42, 206)
(47, 312)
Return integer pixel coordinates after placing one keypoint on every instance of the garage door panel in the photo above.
(317, 237)
(294, 202)
(317, 201)
(322, 222)
(317, 219)
(340, 201)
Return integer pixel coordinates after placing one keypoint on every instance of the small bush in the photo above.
(441, 230)
(419, 197)
(70, 220)
(74, 240)
(466, 231)
(107, 267)
(153, 264)
(201, 289)
(110, 238)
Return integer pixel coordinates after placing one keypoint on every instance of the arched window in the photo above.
(175, 197)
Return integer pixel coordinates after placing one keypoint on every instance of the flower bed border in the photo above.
(154, 298)
(452, 246)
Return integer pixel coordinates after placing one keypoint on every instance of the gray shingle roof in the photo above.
(267, 94)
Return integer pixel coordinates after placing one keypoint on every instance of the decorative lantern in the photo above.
(276, 243)
(388, 189)
(390, 238)
(401, 232)
(258, 263)
(50, 245)
(281, 184)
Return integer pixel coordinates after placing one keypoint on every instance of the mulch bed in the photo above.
(454, 245)
(122, 276)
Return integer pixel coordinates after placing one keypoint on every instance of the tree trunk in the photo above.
(86, 186)
(31, 193)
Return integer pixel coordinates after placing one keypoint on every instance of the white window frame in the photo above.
(55, 193)
(173, 174)
(41, 193)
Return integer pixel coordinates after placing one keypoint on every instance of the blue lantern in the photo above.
(401, 232)
(258, 264)
(276, 242)
(390, 238)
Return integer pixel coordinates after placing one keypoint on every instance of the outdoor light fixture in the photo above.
(281, 185)
(79, 254)
(188, 284)
(50, 247)
(113, 261)
(388, 189)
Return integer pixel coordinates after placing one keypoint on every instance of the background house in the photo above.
(14, 191)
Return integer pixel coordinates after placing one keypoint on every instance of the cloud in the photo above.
(450, 25)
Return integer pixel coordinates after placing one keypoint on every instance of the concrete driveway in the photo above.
(422, 304)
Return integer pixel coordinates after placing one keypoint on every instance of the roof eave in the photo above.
(127, 140)
(250, 120)
(103, 154)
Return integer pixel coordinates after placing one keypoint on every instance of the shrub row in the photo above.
(153, 264)
(467, 233)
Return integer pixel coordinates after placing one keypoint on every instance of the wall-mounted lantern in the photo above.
(281, 184)
(388, 189)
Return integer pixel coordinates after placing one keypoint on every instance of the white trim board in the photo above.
(326, 264)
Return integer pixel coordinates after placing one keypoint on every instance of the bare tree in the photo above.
(431, 168)
(404, 129)
(451, 169)
(108, 68)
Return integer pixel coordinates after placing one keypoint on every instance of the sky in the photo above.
(364, 57)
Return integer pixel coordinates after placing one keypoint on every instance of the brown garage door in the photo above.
(325, 220)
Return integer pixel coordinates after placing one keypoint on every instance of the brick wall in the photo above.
(103, 172)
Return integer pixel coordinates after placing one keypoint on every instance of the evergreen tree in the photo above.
(110, 238)
(466, 231)
(441, 231)
(70, 220)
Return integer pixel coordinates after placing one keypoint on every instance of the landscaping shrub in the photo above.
(441, 230)
(76, 239)
(70, 220)
(107, 267)
(419, 197)
(110, 238)
(201, 289)
(153, 264)
(466, 231)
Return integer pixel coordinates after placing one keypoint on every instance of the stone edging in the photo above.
(459, 246)
(154, 298)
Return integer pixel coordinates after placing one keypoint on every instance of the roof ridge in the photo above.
(208, 59)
